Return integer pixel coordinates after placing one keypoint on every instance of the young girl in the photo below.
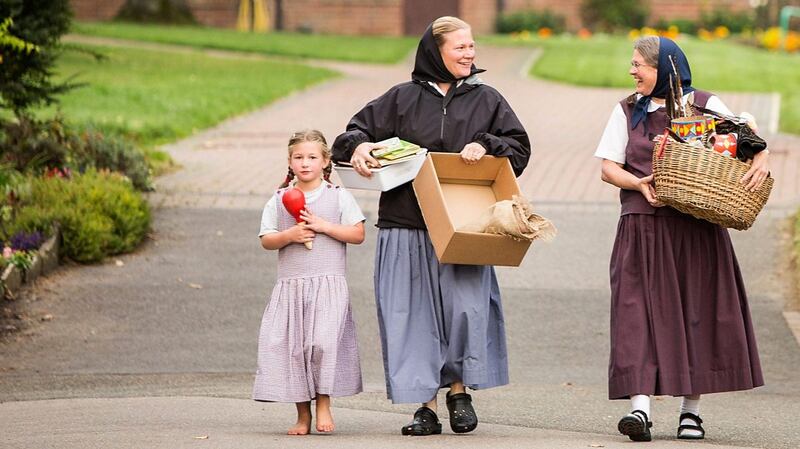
(307, 345)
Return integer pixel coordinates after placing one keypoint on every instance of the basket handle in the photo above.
(663, 143)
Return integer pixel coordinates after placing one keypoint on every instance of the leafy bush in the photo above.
(12, 185)
(736, 22)
(99, 212)
(687, 26)
(25, 76)
(29, 145)
(156, 11)
(115, 154)
(614, 15)
(35, 146)
(530, 20)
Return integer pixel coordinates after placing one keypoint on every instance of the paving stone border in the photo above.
(45, 260)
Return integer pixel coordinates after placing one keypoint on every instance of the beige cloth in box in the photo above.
(514, 218)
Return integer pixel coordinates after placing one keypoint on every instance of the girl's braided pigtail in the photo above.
(326, 173)
(288, 180)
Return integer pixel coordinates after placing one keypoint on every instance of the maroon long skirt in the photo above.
(680, 323)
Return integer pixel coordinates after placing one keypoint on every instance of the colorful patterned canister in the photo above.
(725, 144)
(692, 128)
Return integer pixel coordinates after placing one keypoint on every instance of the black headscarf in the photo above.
(429, 65)
(666, 48)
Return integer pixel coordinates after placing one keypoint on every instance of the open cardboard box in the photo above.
(384, 178)
(452, 194)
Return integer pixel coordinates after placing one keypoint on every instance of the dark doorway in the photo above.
(418, 14)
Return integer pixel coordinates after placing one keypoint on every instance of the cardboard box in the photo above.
(452, 194)
(384, 178)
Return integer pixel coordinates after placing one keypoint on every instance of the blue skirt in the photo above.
(439, 323)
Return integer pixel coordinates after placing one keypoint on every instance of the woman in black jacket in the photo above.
(441, 324)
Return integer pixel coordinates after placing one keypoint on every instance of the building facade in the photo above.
(396, 17)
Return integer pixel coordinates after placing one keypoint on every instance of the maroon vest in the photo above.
(639, 154)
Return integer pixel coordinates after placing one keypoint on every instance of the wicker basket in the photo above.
(705, 184)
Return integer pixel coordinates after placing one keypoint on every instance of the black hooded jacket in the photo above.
(416, 112)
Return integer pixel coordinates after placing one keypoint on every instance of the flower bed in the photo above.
(28, 265)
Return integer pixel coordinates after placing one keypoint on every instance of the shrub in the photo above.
(115, 154)
(99, 212)
(12, 185)
(156, 11)
(687, 26)
(29, 145)
(531, 21)
(736, 22)
(614, 15)
(35, 146)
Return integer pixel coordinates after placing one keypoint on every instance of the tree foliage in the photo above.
(30, 47)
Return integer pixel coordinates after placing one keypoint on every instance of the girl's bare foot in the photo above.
(324, 416)
(303, 425)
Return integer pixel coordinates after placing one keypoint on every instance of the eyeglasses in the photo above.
(637, 66)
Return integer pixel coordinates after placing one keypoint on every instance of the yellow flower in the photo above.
(634, 34)
(721, 32)
(523, 35)
(771, 38)
(647, 31)
(705, 35)
(671, 32)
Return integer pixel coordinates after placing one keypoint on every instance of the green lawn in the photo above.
(716, 66)
(344, 48)
(156, 97)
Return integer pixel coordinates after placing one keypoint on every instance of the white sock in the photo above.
(641, 402)
(690, 404)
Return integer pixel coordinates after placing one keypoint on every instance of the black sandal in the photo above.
(462, 416)
(697, 426)
(425, 423)
(636, 426)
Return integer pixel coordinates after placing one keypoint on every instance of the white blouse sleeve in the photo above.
(350, 212)
(615, 137)
(269, 218)
(716, 105)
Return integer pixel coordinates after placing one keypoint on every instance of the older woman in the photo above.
(680, 323)
(441, 324)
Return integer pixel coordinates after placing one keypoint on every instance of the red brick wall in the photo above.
(570, 9)
(691, 9)
(370, 17)
(218, 13)
(480, 14)
(376, 17)
(215, 13)
(95, 10)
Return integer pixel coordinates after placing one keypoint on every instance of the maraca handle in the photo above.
(308, 244)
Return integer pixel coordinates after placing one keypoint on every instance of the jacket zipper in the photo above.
(441, 130)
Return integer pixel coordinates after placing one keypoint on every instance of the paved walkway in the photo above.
(159, 349)
(239, 162)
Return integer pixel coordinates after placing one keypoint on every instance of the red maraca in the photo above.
(294, 200)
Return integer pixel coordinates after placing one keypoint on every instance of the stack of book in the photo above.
(395, 151)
